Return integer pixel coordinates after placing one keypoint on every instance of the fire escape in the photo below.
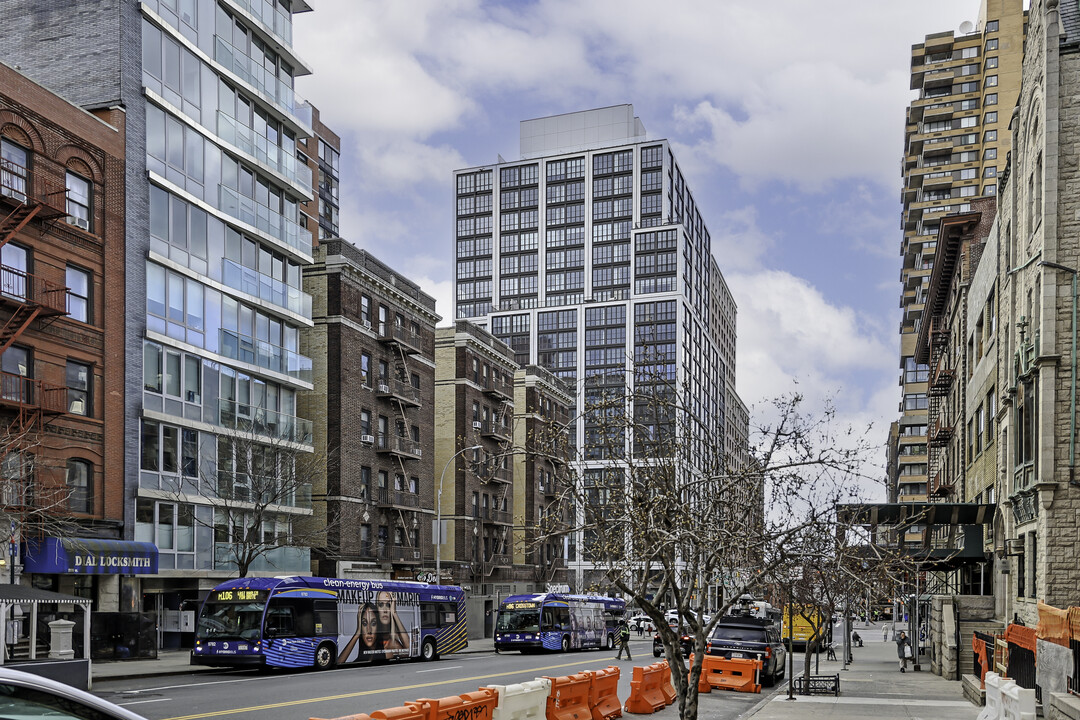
(939, 422)
(26, 300)
(405, 342)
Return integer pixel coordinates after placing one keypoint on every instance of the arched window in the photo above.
(80, 482)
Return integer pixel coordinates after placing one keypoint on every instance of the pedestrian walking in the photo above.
(903, 650)
(885, 632)
(624, 640)
(641, 628)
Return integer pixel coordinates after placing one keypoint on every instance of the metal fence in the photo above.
(1022, 669)
(988, 643)
(1074, 677)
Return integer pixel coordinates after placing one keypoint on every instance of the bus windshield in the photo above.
(518, 621)
(224, 621)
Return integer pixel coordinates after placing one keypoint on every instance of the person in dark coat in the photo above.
(901, 642)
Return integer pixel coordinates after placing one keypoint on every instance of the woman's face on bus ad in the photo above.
(369, 621)
(383, 603)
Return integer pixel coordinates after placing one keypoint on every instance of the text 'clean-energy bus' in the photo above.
(556, 621)
(321, 622)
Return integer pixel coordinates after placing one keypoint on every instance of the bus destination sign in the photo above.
(238, 595)
(521, 606)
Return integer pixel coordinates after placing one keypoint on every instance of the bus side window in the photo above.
(449, 614)
(562, 618)
(292, 617)
(326, 617)
(429, 615)
(549, 619)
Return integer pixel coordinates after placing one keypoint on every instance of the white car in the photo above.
(640, 621)
(23, 695)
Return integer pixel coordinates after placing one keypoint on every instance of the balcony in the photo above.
(244, 348)
(246, 418)
(284, 560)
(401, 554)
(943, 380)
(258, 216)
(498, 390)
(399, 446)
(273, 20)
(401, 336)
(33, 190)
(254, 74)
(399, 391)
(21, 392)
(495, 473)
(389, 497)
(502, 560)
(495, 430)
(491, 515)
(260, 148)
(940, 434)
(18, 287)
(265, 490)
(266, 288)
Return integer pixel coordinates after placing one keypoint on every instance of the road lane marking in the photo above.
(141, 702)
(452, 667)
(362, 693)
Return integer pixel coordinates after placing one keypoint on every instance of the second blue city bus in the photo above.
(295, 622)
(556, 621)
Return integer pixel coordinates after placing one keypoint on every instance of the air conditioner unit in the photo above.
(416, 555)
(79, 222)
(1014, 546)
(367, 439)
(384, 388)
(477, 425)
(366, 324)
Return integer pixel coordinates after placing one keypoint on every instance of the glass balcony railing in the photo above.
(264, 489)
(244, 417)
(245, 348)
(262, 149)
(265, 288)
(255, 74)
(284, 560)
(274, 20)
(272, 223)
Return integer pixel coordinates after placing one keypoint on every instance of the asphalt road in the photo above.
(247, 695)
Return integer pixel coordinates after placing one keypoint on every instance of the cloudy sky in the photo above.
(786, 117)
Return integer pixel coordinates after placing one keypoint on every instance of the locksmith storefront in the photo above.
(104, 571)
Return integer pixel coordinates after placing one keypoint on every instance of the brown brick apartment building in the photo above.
(373, 409)
(62, 336)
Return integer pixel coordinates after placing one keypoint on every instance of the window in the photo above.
(80, 486)
(78, 387)
(991, 44)
(992, 26)
(14, 176)
(78, 299)
(991, 62)
(990, 135)
(990, 172)
(991, 81)
(78, 200)
(990, 411)
(990, 99)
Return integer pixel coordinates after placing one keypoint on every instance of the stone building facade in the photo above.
(1039, 257)
(373, 410)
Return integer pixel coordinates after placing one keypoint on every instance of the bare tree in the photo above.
(663, 513)
(258, 487)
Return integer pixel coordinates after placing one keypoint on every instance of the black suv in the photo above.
(686, 640)
(738, 637)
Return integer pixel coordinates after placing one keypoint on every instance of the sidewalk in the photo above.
(873, 687)
(176, 662)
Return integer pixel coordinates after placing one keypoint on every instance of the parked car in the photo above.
(686, 640)
(641, 621)
(23, 695)
(739, 636)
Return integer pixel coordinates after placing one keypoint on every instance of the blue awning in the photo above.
(90, 556)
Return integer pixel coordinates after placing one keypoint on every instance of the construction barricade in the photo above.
(666, 687)
(477, 705)
(604, 694)
(1017, 703)
(734, 674)
(992, 709)
(646, 696)
(703, 685)
(522, 701)
(569, 698)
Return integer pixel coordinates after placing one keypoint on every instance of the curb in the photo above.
(765, 700)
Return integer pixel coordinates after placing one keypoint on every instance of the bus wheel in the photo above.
(565, 643)
(610, 642)
(324, 657)
(428, 652)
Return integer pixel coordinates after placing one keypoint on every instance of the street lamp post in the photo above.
(438, 512)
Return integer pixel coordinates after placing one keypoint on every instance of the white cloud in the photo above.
(737, 242)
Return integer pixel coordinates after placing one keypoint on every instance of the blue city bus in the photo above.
(556, 621)
(295, 622)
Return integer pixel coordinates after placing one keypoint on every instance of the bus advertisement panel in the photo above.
(556, 621)
(320, 622)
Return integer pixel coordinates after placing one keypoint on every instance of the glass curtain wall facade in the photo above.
(589, 258)
(224, 308)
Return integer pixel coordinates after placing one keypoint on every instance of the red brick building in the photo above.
(62, 329)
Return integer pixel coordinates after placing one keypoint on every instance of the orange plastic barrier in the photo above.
(666, 687)
(477, 705)
(418, 710)
(703, 685)
(358, 716)
(737, 675)
(569, 698)
(604, 694)
(645, 693)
